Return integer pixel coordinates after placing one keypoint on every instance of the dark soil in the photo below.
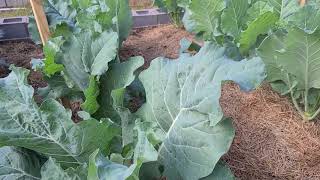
(20, 53)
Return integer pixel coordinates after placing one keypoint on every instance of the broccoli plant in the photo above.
(175, 8)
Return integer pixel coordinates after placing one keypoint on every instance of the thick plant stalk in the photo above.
(304, 114)
(295, 103)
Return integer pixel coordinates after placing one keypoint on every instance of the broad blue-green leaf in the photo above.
(257, 9)
(85, 55)
(300, 58)
(183, 99)
(59, 11)
(269, 51)
(47, 129)
(100, 168)
(220, 172)
(17, 163)
(187, 20)
(232, 17)
(284, 8)
(119, 76)
(52, 170)
(307, 19)
(144, 150)
(33, 30)
(59, 86)
(259, 26)
(115, 14)
(206, 15)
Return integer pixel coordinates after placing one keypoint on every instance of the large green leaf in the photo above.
(300, 57)
(259, 26)
(183, 99)
(206, 15)
(257, 9)
(232, 17)
(307, 19)
(85, 55)
(294, 64)
(17, 163)
(51, 170)
(220, 172)
(119, 76)
(268, 51)
(33, 30)
(101, 168)
(47, 129)
(284, 8)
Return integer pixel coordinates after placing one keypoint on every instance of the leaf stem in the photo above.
(293, 99)
(314, 115)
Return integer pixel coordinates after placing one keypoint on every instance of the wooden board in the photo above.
(41, 20)
(302, 2)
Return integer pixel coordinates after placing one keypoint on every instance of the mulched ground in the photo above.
(153, 42)
(271, 140)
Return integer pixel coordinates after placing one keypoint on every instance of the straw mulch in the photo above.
(271, 140)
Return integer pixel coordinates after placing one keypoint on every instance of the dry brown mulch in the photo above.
(272, 141)
(153, 42)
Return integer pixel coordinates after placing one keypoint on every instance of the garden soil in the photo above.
(271, 140)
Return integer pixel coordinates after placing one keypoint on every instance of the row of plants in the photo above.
(179, 132)
(283, 33)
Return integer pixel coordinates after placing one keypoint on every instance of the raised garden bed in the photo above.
(14, 28)
(149, 17)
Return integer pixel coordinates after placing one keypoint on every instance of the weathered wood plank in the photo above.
(41, 20)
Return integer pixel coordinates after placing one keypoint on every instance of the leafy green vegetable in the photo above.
(183, 99)
(207, 21)
(18, 163)
(47, 129)
(85, 55)
(100, 168)
(307, 19)
(91, 93)
(296, 64)
(119, 76)
(51, 49)
(174, 8)
(52, 170)
(232, 17)
(260, 26)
